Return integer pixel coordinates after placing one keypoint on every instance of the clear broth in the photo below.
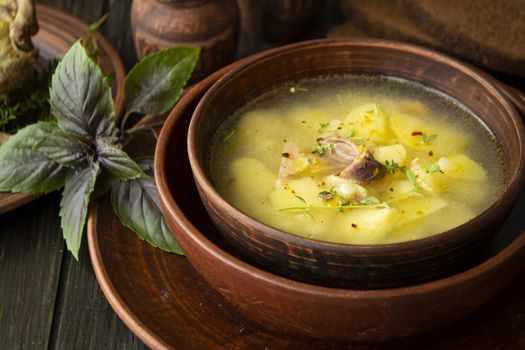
(455, 167)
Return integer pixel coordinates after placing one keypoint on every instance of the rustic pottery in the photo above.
(58, 31)
(278, 20)
(212, 25)
(300, 309)
(346, 265)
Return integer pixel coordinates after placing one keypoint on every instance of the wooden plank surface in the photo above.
(31, 249)
(83, 318)
(118, 30)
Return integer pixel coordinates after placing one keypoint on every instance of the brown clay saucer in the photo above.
(58, 31)
(165, 302)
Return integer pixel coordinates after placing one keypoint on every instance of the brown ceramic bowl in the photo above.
(295, 307)
(346, 265)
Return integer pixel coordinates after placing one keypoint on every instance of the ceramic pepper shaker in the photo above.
(278, 20)
(212, 25)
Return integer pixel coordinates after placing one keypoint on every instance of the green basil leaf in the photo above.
(80, 97)
(24, 169)
(74, 204)
(137, 205)
(155, 84)
(116, 162)
(65, 148)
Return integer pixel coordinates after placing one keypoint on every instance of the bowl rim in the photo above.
(172, 210)
(506, 198)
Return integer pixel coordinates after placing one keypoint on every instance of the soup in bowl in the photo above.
(356, 163)
(357, 159)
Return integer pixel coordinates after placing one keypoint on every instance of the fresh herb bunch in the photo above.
(81, 151)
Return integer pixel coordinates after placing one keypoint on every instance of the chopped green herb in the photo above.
(373, 110)
(392, 167)
(324, 149)
(351, 133)
(434, 168)
(370, 200)
(327, 196)
(296, 88)
(310, 161)
(322, 127)
(301, 199)
(411, 177)
(304, 208)
(428, 138)
(228, 135)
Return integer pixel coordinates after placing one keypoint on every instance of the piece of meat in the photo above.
(354, 160)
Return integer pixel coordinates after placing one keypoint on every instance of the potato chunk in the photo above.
(251, 176)
(365, 226)
(462, 167)
(410, 131)
(369, 121)
(390, 153)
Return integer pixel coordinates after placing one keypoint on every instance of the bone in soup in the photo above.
(357, 160)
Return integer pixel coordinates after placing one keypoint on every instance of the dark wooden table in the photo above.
(49, 300)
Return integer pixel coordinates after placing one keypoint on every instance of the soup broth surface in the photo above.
(285, 159)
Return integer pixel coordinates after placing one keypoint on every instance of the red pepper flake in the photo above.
(417, 133)
(391, 189)
(430, 153)
(354, 225)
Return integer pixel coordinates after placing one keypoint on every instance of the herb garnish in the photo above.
(370, 202)
(411, 177)
(323, 150)
(392, 167)
(327, 196)
(81, 150)
(296, 88)
(434, 168)
(374, 109)
(322, 127)
(228, 135)
(428, 138)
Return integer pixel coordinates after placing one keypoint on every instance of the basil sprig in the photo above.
(82, 151)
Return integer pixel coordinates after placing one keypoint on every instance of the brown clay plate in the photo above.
(163, 300)
(58, 31)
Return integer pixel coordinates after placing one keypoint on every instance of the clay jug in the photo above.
(212, 25)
